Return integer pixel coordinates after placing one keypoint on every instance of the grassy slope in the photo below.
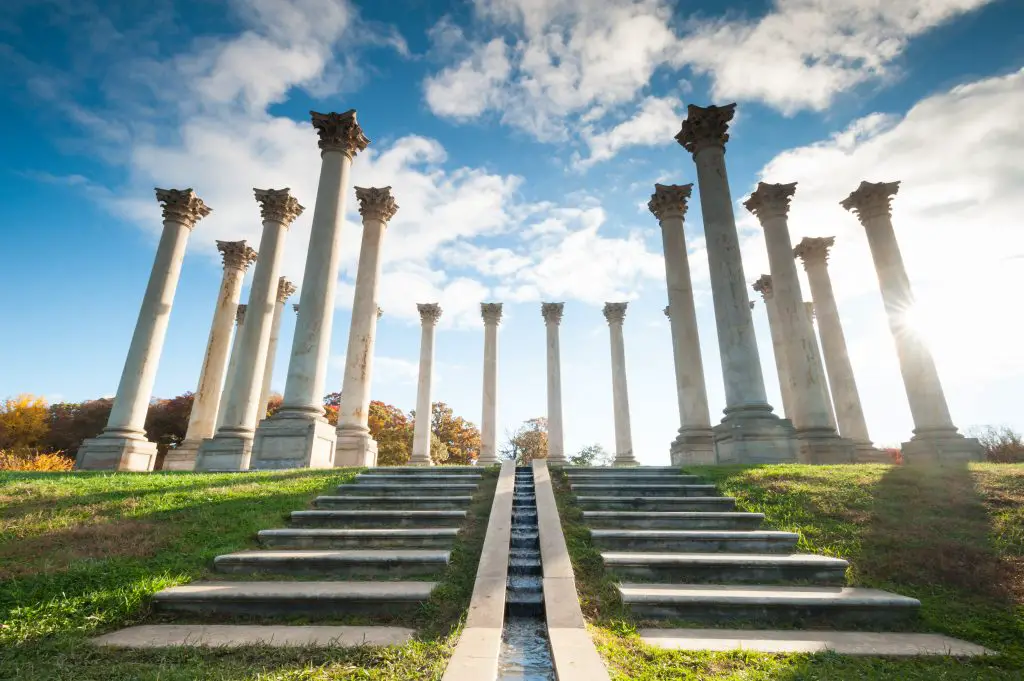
(954, 540)
(81, 554)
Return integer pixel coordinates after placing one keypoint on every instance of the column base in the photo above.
(354, 448)
(183, 457)
(868, 453)
(293, 441)
(823, 446)
(116, 453)
(624, 459)
(489, 458)
(754, 435)
(693, 447)
(941, 447)
(224, 453)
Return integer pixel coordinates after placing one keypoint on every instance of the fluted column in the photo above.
(123, 445)
(429, 314)
(615, 314)
(491, 313)
(298, 435)
(764, 286)
(285, 290)
(552, 313)
(355, 446)
(935, 437)
(750, 432)
(231, 447)
(237, 257)
(812, 410)
(694, 443)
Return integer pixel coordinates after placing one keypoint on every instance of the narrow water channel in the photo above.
(525, 650)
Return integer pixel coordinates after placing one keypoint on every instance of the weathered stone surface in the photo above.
(239, 635)
(726, 568)
(788, 642)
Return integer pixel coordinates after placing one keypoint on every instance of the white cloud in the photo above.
(656, 121)
(474, 86)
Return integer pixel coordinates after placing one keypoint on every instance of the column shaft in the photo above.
(819, 364)
(268, 368)
(556, 437)
(779, 350)
(429, 313)
(615, 313)
(232, 365)
(489, 418)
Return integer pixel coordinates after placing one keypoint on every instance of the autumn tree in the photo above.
(390, 427)
(71, 423)
(592, 455)
(24, 422)
(461, 438)
(167, 422)
(526, 443)
(274, 403)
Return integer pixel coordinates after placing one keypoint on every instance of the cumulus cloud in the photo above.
(656, 121)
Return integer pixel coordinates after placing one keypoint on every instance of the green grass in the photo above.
(954, 539)
(82, 554)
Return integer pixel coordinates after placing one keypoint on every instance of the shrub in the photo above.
(31, 460)
(1002, 443)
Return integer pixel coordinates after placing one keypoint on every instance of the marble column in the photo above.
(552, 313)
(491, 313)
(123, 445)
(750, 432)
(809, 309)
(202, 421)
(615, 314)
(232, 363)
(764, 286)
(817, 439)
(935, 438)
(285, 290)
(694, 443)
(230, 448)
(298, 435)
(355, 446)
(429, 314)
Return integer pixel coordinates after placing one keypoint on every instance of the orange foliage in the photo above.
(28, 460)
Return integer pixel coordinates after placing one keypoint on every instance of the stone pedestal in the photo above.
(935, 437)
(491, 313)
(430, 313)
(748, 416)
(123, 445)
(693, 443)
(615, 314)
(294, 443)
(302, 410)
(552, 313)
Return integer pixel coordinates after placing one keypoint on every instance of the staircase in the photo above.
(682, 552)
(371, 548)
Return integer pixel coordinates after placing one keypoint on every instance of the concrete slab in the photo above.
(358, 538)
(234, 636)
(787, 641)
(762, 595)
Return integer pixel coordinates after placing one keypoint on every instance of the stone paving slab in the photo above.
(411, 591)
(762, 595)
(233, 636)
(788, 641)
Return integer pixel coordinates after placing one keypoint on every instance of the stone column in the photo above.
(355, 446)
(817, 438)
(230, 449)
(764, 287)
(615, 314)
(232, 363)
(809, 309)
(694, 443)
(750, 432)
(123, 445)
(935, 437)
(285, 290)
(298, 436)
(429, 314)
(552, 313)
(491, 312)
(237, 257)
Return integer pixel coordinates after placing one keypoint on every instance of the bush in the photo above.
(31, 460)
(1002, 444)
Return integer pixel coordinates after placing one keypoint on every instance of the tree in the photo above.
(592, 455)
(390, 427)
(71, 423)
(24, 422)
(274, 403)
(438, 448)
(461, 438)
(167, 422)
(528, 442)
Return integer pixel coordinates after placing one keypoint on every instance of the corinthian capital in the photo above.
(236, 254)
(813, 250)
(763, 286)
(182, 205)
(240, 314)
(770, 200)
(615, 313)
(871, 199)
(491, 312)
(278, 205)
(339, 132)
(552, 312)
(669, 200)
(285, 289)
(705, 126)
(429, 312)
(376, 203)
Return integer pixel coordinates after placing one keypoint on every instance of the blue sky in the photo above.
(522, 139)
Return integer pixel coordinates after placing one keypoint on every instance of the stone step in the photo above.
(411, 503)
(620, 470)
(241, 635)
(749, 568)
(329, 538)
(672, 520)
(418, 479)
(399, 490)
(638, 479)
(641, 503)
(695, 541)
(791, 605)
(524, 602)
(350, 564)
(660, 490)
(377, 518)
(324, 599)
(423, 470)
